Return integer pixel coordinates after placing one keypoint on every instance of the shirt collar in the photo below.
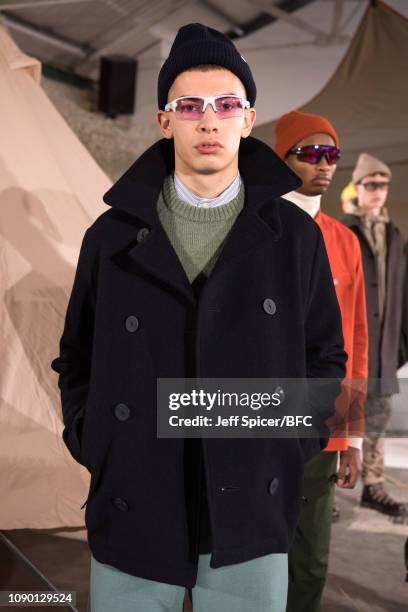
(185, 194)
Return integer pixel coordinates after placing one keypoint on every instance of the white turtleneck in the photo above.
(310, 204)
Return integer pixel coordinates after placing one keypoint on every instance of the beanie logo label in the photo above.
(242, 57)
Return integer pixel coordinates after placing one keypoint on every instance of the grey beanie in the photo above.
(366, 165)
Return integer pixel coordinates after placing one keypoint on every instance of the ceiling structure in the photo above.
(73, 34)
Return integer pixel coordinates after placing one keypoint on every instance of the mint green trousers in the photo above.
(259, 585)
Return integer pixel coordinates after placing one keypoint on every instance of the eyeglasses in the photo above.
(373, 185)
(312, 154)
(193, 107)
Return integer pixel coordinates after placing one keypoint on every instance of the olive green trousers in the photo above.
(309, 555)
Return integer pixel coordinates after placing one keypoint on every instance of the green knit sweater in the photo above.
(197, 234)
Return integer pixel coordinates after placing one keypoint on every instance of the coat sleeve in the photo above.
(325, 355)
(74, 361)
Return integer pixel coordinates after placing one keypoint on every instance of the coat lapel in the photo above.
(354, 221)
(249, 232)
(265, 177)
(156, 257)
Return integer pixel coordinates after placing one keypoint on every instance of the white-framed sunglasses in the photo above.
(193, 107)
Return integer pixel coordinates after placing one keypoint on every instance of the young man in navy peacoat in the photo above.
(267, 310)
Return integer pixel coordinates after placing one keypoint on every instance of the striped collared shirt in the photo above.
(188, 196)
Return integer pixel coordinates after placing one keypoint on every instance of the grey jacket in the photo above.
(383, 335)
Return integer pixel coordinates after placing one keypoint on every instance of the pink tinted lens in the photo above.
(228, 107)
(189, 108)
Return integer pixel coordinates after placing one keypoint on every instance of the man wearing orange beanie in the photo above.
(309, 145)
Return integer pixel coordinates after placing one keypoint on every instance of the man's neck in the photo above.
(310, 204)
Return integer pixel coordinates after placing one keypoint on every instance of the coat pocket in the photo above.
(97, 474)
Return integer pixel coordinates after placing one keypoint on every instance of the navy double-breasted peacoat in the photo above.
(268, 309)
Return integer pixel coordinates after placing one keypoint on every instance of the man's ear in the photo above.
(249, 120)
(164, 122)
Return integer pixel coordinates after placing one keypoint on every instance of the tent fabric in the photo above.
(366, 100)
(50, 192)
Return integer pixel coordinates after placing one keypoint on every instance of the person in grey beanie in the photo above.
(198, 270)
(382, 249)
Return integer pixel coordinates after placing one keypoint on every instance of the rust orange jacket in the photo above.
(344, 254)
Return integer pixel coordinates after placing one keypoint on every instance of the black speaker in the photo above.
(117, 82)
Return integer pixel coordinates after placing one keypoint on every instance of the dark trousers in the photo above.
(309, 555)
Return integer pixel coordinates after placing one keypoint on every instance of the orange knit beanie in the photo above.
(293, 127)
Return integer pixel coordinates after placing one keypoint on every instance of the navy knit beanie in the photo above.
(197, 44)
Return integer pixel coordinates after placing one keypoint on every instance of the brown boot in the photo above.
(376, 497)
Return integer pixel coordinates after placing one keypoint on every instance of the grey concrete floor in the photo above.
(367, 570)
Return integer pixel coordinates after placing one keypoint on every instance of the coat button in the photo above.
(280, 392)
(122, 412)
(273, 486)
(269, 306)
(142, 233)
(132, 323)
(120, 504)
